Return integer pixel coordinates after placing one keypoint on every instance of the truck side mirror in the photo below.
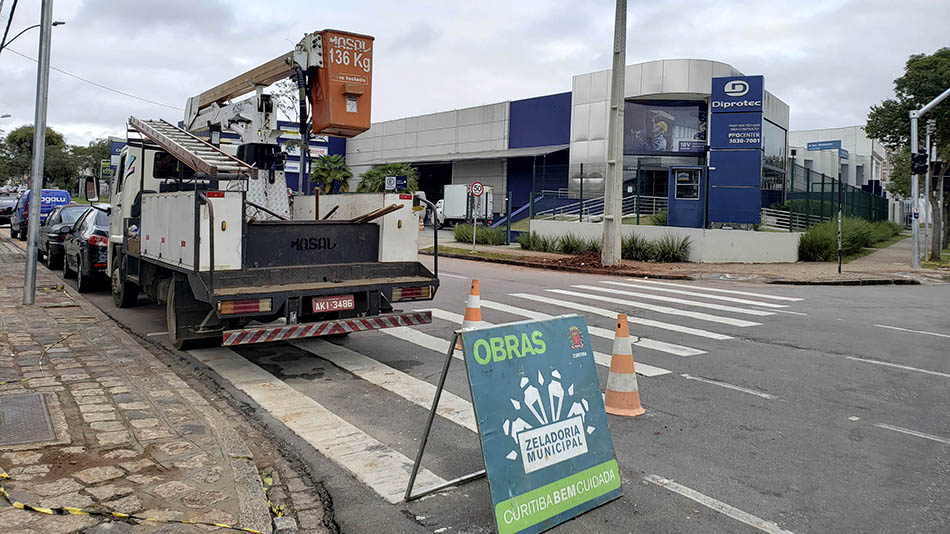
(91, 188)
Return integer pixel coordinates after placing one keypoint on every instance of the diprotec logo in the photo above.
(736, 88)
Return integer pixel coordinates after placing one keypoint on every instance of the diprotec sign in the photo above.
(737, 93)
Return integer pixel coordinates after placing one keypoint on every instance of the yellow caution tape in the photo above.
(276, 509)
(66, 510)
(13, 381)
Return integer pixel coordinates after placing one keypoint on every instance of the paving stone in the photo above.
(67, 523)
(148, 434)
(109, 491)
(296, 484)
(92, 399)
(305, 501)
(199, 460)
(165, 514)
(84, 385)
(172, 489)
(143, 479)
(12, 518)
(107, 426)
(95, 475)
(68, 365)
(215, 516)
(40, 382)
(285, 525)
(135, 467)
(121, 453)
(57, 487)
(22, 457)
(209, 475)
(202, 499)
(72, 450)
(134, 406)
(74, 377)
(144, 423)
(176, 448)
(98, 416)
(310, 518)
(49, 389)
(94, 408)
(126, 505)
(125, 397)
(113, 438)
(72, 500)
(162, 394)
(31, 471)
(110, 527)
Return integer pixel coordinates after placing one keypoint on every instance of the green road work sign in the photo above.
(105, 169)
(547, 447)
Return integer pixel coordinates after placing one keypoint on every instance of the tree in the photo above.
(88, 158)
(286, 97)
(331, 174)
(374, 180)
(59, 165)
(899, 184)
(925, 77)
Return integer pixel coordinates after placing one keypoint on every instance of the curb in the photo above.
(855, 282)
(567, 268)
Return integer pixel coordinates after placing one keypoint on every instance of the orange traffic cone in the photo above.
(623, 396)
(473, 312)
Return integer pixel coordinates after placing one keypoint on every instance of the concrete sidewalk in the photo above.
(90, 419)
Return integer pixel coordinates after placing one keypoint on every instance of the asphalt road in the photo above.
(831, 414)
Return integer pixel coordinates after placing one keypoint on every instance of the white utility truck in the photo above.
(458, 205)
(209, 231)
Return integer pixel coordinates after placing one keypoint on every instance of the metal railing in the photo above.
(787, 220)
(592, 207)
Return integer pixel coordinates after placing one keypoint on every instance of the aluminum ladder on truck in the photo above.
(201, 156)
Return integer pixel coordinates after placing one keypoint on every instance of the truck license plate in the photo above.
(331, 304)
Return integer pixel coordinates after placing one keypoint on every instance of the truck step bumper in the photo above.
(266, 334)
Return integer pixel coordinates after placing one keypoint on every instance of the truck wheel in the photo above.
(183, 315)
(124, 293)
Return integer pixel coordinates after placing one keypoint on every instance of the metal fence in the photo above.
(593, 208)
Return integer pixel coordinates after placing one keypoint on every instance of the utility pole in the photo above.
(914, 186)
(613, 183)
(931, 124)
(39, 149)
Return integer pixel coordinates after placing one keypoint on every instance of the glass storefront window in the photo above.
(687, 183)
(773, 139)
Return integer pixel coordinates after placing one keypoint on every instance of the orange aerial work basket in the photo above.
(342, 92)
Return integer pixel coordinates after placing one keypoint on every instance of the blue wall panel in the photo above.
(540, 121)
(740, 205)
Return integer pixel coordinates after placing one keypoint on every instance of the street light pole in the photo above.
(39, 149)
(613, 182)
(28, 28)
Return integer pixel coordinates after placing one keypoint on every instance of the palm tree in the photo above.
(331, 174)
(374, 180)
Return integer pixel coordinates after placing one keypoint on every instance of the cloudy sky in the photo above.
(830, 60)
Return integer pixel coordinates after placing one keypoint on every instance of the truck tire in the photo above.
(125, 294)
(183, 315)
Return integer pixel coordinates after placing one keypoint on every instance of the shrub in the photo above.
(636, 248)
(535, 242)
(592, 244)
(571, 244)
(820, 242)
(883, 230)
(671, 249)
(659, 218)
(485, 235)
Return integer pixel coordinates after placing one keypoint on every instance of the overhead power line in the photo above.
(99, 85)
(9, 21)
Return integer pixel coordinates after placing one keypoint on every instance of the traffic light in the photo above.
(919, 163)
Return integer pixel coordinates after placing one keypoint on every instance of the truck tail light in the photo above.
(230, 307)
(98, 241)
(412, 293)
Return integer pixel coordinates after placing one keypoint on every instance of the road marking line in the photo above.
(899, 366)
(422, 339)
(791, 312)
(912, 331)
(730, 386)
(380, 467)
(914, 433)
(156, 334)
(599, 357)
(719, 506)
(661, 346)
(659, 309)
(418, 392)
(717, 290)
(675, 300)
(630, 319)
(695, 294)
(452, 275)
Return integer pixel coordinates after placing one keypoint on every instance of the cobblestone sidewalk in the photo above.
(130, 435)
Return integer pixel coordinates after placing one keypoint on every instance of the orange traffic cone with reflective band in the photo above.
(623, 395)
(473, 312)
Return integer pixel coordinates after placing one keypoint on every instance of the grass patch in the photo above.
(890, 241)
(484, 236)
(820, 242)
(659, 218)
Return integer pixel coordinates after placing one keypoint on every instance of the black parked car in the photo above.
(49, 244)
(86, 248)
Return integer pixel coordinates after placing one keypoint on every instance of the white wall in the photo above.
(708, 246)
(475, 129)
(862, 151)
(490, 172)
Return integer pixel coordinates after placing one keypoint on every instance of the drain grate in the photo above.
(25, 419)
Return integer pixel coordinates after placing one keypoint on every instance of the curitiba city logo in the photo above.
(548, 424)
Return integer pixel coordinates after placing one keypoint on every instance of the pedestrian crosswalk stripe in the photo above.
(717, 290)
(422, 339)
(612, 314)
(659, 309)
(652, 344)
(377, 465)
(418, 392)
(599, 357)
(686, 302)
(696, 294)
